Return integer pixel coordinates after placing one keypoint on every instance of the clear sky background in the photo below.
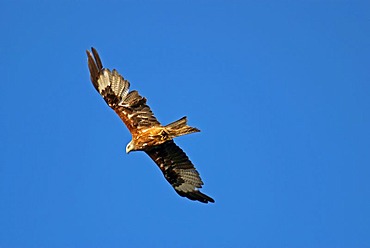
(279, 89)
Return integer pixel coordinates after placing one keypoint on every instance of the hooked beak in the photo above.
(129, 147)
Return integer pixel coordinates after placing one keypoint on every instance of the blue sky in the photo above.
(279, 89)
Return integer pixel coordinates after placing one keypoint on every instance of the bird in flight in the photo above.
(148, 134)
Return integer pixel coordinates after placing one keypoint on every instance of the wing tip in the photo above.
(197, 196)
(204, 198)
(95, 66)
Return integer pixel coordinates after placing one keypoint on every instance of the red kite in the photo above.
(148, 134)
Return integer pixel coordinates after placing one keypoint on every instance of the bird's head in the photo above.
(130, 146)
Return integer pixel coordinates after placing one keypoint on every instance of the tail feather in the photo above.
(180, 127)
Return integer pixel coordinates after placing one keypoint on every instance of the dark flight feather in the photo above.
(178, 171)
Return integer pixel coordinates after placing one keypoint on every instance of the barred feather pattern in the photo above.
(130, 106)
(179, 171)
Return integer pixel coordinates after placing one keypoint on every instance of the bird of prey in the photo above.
(148, 134)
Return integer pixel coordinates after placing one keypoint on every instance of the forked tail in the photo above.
(180, 127)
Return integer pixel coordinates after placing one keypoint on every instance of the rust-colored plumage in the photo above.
(148, 134)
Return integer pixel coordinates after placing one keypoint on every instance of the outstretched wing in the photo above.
(179, 171)
(130, 106)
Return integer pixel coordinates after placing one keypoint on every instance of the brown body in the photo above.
(146, 138)
(149, 137)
